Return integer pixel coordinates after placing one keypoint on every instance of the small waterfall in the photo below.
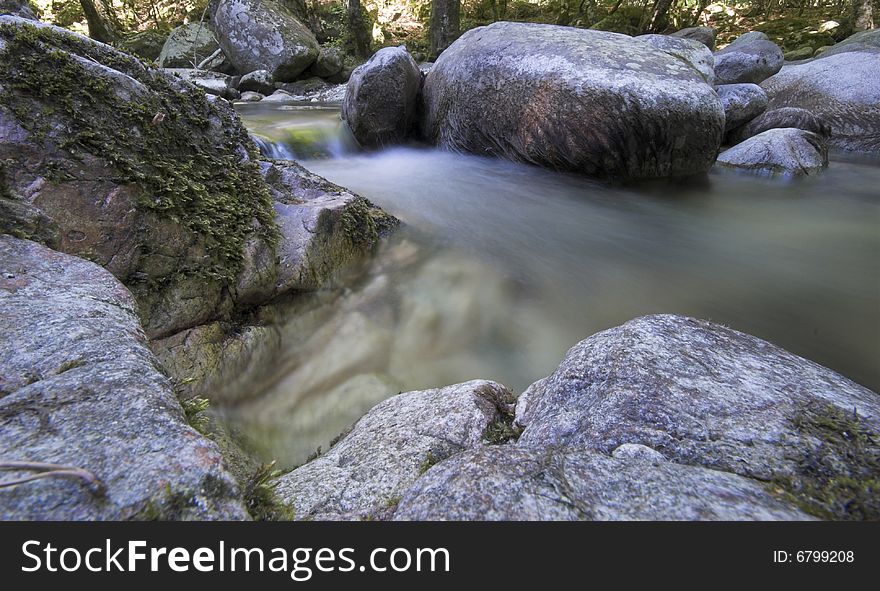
(274, 150)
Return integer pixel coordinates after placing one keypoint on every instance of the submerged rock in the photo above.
(705, 35)
(264, 35)
(785, 151)
(123, 161)
(187, 46)
(381, 98)
(510, 483)
(79, 387)
(391, 446)
(572, 99)
(842, 90)
(750, 58)
(779, 118)
(742, 103)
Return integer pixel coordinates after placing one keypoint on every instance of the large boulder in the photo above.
(705, 395)
(782, 151)
(523, 484)
(862, 41)
(580, 100)
(689, 50)
(742, 103)
(20, 8)
(264, 35)
(843, 90)
(396, 442)
(778, 118)
(123, 160)
(705, 35)
(381, 98)
(80, 388)
(187, 46)
(750, 58)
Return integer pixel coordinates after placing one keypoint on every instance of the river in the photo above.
(502, 267)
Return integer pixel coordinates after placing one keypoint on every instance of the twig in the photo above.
(51, 470)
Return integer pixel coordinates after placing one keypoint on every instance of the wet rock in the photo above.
(780, 118)
(704, 395)
(842, 90)
(572, 99)
(381, 99)
(750, 58)
(705, 35)
(391, 446)
(742, 103)
(264, 35)
(786, 151)
(79, 387)
(187, 46)
(258, 81)
(211, 82)
(510, 483)
(280, 96)
(692, 51)
(251, 97)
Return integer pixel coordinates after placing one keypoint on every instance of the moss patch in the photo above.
(260, 498)
(839, 477)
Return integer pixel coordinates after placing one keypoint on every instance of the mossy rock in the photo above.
(141, 172)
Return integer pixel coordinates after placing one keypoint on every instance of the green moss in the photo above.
(188, 171)
(71, 364)
(839, 476)
(261, 499)
(428, 463)
(194, 409)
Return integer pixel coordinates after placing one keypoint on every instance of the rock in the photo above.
(146, 45)
(19, 8)
(217, 62)
(705, 395)
(391, 446)
(323, 226)
(779, 118)
(251, 97)
(862, 41)
(211, 82)
(842, 90)
(187, 46)
(305, 87)
(382, 97)
(742, 103)
(689, 50)
(79, 387)
(264, 35)
(509, 483)
(572, 99)
(280, 96)
(786, 151)
(705, 35)
(259, 81)
(750, 58)
(330, 62)
(425, 67)
(636, 451)
(122, 160)
(801, 53)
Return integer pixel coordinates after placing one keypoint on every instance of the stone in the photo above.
(705, 35)
(146, 45)
(211, 82)
(80, 387)
(251, 97)
(508, 483)
(187, 46)
(572, 99)
(742, 103)
(264, 35)
(801, 53)
(19, 8)
(329, 63)
(779, 118)
(862, 41)
(391, 446)
(750, 58)
(690, 50)
(785, 151)
(842, 90)
(258, 81)
(382, 97)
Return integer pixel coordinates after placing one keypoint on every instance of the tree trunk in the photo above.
(660, 16)
(359, 30)
(103, 25)
(445, 24)
(864, 15)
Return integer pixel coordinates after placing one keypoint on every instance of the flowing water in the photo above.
(502, 267)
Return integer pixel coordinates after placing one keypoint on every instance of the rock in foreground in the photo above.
(786, 151)
(571, 99)
(79, 387)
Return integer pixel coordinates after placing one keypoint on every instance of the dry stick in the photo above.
(196, 61)
(51, 470)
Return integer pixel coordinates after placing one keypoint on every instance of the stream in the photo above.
(500, 268)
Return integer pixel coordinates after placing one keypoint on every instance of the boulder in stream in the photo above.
(742, 103)
(782, 151)
(705, 35)
(751, 57)
(779, 118)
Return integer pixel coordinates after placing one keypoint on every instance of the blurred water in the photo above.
(503, 267)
